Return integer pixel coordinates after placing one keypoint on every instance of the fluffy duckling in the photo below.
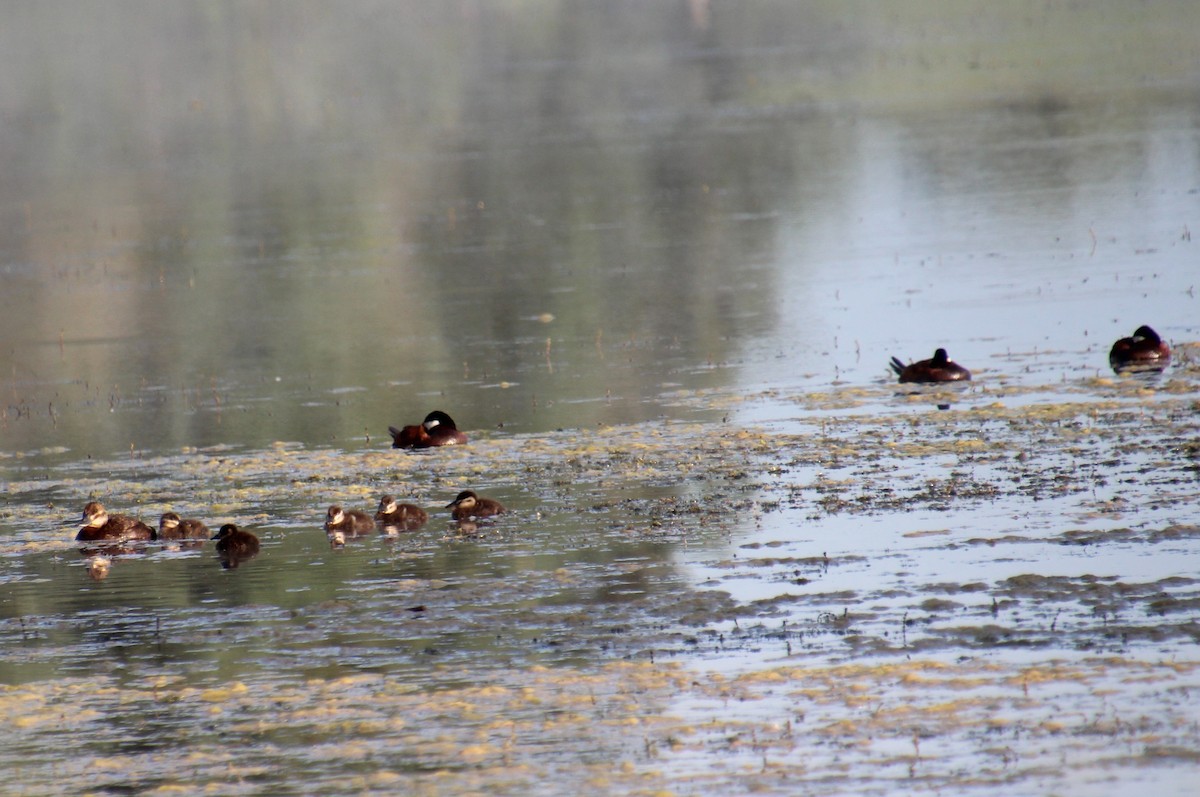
(351, 523)
(234, 543)
(172, 527)
(397, 515)
(468, 505)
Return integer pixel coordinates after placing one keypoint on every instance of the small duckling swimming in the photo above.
(939, 368)
(397, 515)
(99, 525)
(438, 429)
(468, 505)
(234, 543)
(1143, 351)
(172, 527)
(350, 523)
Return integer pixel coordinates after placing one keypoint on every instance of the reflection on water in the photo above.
(655, 262)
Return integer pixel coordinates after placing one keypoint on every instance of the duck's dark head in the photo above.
(437, 418)
(387, 504)
(335, 515)
(465, 499)
(1147, 334)
(94, 514)
(940, 357)
(228, 530)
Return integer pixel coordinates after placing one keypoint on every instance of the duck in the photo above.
(1143, 351)
(350, 523)
(172, 527)
(438, 429)
(405, 516)
(234, 543)
(99, 525)
(939, 368)
(467, 505)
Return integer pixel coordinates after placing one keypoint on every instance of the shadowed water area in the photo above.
(654, 261)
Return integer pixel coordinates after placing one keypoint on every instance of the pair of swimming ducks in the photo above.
(100, 526)
(1142, 351)
(395, 515)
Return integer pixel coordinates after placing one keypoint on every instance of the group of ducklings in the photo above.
(1143, 351)
(393, 515)
(233, 543)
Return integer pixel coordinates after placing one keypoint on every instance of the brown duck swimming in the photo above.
(468, 505)
(398, 515)
(437, 429)
(99, 525)
(939, 368)
(172, 527)
(234, 545)
(351, 523)
(1143, 351)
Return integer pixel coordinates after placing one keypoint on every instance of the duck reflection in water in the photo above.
(438, 429)
(234, 546)
(98, 567)
(1142, 352)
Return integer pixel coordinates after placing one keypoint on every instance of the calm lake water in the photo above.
(654, 261)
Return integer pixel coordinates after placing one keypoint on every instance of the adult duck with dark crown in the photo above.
(1142, 351)
(99, 525)
(438, 429)
(938, 368)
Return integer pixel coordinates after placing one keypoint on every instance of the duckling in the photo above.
(351, 523)
(397, 515)
(468, 505)
(235, 543)
(172, 527)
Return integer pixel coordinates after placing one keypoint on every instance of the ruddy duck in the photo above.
(468, 505)
(939, 368)
(171, 527)
(397, 515)
(234, 543)
(99, 525)
(437, 429)
(350, 523)
(1144, 351)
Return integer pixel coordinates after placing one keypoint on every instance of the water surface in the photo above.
(654, 262)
